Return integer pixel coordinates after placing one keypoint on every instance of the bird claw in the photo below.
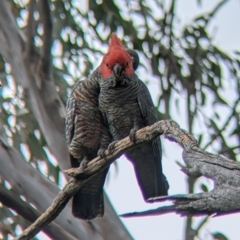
(111, 146)
(132, 135)
(84, 163)
(101, 152)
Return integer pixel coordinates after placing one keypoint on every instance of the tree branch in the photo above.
(224, 198)
(93, 167)
(170, 129)
(205, 203)
(11, 200)
(53, 211)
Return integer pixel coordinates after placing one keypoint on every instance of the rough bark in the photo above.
(24, 209)
(222, 199)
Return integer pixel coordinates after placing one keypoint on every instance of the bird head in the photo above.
(117, 65)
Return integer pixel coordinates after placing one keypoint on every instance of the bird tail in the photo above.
(148, 170)
(88, 201)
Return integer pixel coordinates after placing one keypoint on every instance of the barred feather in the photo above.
(121, 108)
(126, 104)
(86, 134)
(130, 106)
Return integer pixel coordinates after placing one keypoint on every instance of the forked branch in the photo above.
(225, 173)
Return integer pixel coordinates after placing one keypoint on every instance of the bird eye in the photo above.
(107, 65)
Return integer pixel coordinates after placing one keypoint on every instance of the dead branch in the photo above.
(24, 209)
(170, 129)
(225, 173)
(96, 165)
(223, 199)
(53, 211)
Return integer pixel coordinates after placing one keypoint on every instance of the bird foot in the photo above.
(101, 152)
(132, 135)
(111, 146)
(84, 163)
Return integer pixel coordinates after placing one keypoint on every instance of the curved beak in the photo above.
(117, 69)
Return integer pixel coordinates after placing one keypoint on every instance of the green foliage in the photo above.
(219, 236)
(204, 188)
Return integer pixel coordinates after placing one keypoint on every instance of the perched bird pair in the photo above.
(112, 103)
